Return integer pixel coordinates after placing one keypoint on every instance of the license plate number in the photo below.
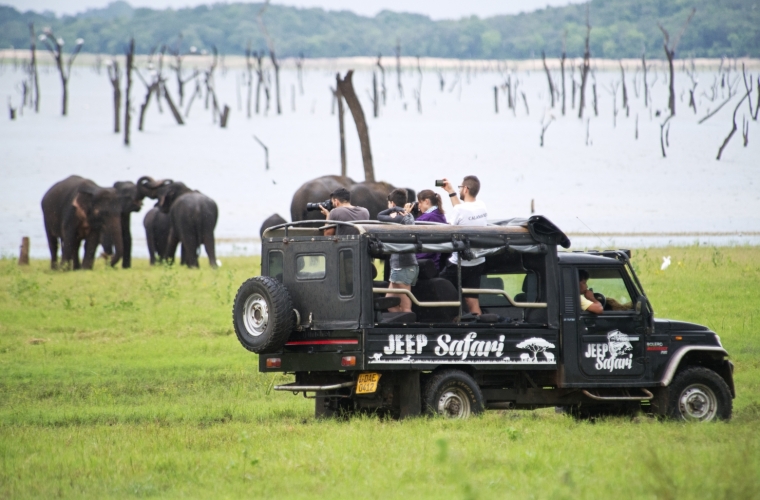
(367, 383)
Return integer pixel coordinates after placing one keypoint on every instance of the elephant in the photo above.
(272, 220)
(157, 226)
(77, 209)
(371, 195)
(192, 219)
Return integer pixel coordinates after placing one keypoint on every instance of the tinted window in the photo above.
(275, 265)
(610, 283)
(346, 272)
(310, 267)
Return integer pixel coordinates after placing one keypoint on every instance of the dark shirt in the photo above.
(348, 214)
(433, 216)
(399, 260)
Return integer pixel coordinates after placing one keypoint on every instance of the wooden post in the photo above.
(224, 116)
(23, 258)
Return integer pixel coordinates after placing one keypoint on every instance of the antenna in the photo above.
(600, 239)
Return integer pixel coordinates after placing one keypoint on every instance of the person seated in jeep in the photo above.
(343, 211)
(404, 268)
(588, 301)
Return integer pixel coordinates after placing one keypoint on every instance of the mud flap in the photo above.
(410, 398)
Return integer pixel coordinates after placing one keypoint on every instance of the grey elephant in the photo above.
(130, 196)
(192, 219)
(371, 195)
(75, 210)
(272, 220)
(157, 227)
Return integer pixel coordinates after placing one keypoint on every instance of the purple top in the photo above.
(433, 216)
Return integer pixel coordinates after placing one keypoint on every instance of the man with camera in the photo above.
(339, 208)
(466, 211)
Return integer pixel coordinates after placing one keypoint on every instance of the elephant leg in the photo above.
(190, 245)
(151, 248)
(90, 247)
(208, 243)
(126, 238)
(171, 246)
(69, 249)
(182, 256)
(53, 244)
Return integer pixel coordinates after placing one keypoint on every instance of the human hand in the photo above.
(408, 208)
(324, 211)
(447, 186)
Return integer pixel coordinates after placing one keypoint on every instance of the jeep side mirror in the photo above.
(644, 309)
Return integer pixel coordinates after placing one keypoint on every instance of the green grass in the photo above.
(131, 383)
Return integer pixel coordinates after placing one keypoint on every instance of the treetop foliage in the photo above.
(620, 29)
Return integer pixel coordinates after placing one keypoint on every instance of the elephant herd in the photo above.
(76, 209)
(371, 195)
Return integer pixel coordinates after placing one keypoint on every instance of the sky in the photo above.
(436, 9)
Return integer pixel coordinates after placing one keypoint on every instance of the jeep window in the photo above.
(510, 283)
(346, 272)
(310, 267)
(610, 283)
(275, 264)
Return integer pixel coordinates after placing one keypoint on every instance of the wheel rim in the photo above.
(454, 403)
(698, 403)
(256, 314)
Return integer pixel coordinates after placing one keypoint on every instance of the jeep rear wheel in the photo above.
(452, 394)
(699, 395)
(262, 315)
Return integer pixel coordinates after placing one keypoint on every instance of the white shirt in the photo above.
(473, 213)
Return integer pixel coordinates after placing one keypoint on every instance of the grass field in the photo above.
(131, 383)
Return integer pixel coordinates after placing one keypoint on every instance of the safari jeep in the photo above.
(319, 311)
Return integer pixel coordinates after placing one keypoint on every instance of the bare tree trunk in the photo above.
(496, 98)
(55, 46)
(153, 87)
(260, 78)
(646, 85)
(341, 128)
(347, 91)
(115, 77)
(586, 66)
(670, 52)
(398, 68)
(562, 69)
(33, 70)
(734, 128)
(625, 90)
(249, 67)
(299, 66)
(548, 77)
(276, 79)
(127, 104)
(382, 74)
(375, 101)
(224, 116)
(172, 107)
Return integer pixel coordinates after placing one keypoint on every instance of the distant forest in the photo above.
(619, 29)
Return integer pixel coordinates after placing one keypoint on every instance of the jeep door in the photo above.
(610, 345)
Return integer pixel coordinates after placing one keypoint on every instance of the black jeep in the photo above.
(319, 310)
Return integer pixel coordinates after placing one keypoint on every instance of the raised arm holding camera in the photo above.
(342, 210)
(466, 211)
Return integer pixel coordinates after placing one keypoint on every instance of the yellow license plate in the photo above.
(367, 383)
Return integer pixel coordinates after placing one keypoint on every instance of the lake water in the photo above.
(615, 191)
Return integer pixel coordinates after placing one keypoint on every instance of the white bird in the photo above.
(665, 263)
(218, 263)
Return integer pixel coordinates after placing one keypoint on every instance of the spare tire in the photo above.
(263, 315)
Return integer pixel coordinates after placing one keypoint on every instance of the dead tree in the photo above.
(33, 75)
(176, 52)
(196, 92)
(670, 52)
(347, 92)
(128, 73)
(115, 76)
(272, 56)
(249, 68)
(745, 130)
(613, 90)
(548, 77)
(593, 94)
(441, 81)
(694, 82)
(748, 88)
(55, 46)
(496, 98)
(151, 88)
(562, 70)
(266, 152)
(646, 84)
(299, 67)
(664, 131)
(382, 77)
(731, 93)
(260, 77)
(625, 90)
(544, 127)
(341, 126)
(733, 128)
(586, 66)
(375, 101)
(525, 101)
(398, 68)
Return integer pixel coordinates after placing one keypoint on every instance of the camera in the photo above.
(310, 207)
(439, 183)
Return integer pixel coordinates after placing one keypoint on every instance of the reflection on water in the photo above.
(617, 184)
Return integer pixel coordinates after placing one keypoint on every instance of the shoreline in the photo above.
(21, 56)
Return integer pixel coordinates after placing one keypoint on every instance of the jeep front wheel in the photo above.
(699, 395)
(262, 315)
(452, 394)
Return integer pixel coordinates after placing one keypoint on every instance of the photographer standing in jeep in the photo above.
(466, 211)
(342, 210)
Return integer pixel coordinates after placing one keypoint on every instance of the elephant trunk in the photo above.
(113, 227)
(147, 186)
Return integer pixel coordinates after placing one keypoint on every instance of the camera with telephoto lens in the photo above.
(310, 207)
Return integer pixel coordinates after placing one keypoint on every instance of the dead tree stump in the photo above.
(23, 258)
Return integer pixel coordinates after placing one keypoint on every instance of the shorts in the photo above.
(405, 275)
(470, 276)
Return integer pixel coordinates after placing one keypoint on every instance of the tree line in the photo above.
(622, 29)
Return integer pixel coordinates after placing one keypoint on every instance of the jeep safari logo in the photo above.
(615, 354)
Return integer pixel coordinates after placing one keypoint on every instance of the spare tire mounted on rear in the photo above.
(263, 315)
